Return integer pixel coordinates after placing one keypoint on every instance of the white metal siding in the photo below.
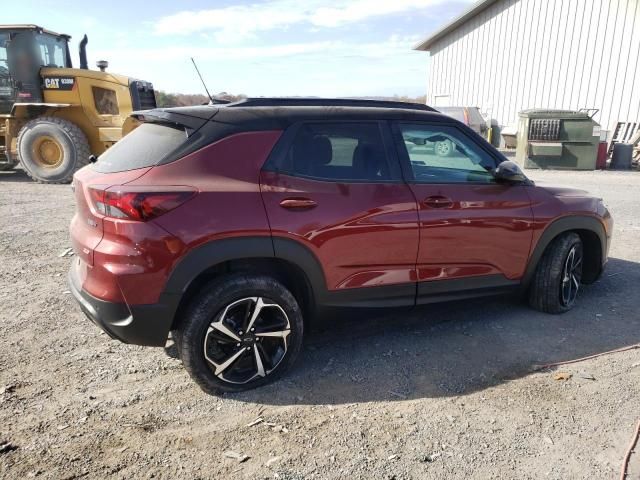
(565, 54)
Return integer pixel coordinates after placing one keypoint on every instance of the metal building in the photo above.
(505, 56)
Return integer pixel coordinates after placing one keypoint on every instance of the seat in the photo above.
(369, 162)
(312, 154)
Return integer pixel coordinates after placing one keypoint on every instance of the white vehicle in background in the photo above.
(470, 116)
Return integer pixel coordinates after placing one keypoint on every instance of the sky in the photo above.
(269, 48)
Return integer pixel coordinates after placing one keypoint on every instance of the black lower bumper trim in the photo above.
(137, 324)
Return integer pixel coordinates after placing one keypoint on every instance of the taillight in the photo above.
(126, 203)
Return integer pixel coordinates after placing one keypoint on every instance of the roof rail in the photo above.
(327, 102)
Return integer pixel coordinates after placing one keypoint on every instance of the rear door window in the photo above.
(146, 146)
(337, 152)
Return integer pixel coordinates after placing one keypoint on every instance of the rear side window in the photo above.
(144, 147)
(337, 152)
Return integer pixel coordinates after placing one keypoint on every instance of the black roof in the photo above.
(210, 123)
(281, 112)
(326, 102)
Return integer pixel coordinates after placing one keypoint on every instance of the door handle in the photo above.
(298, 203)
(438, 201)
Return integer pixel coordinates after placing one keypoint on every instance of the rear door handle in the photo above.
(298, 203)
(438, 201)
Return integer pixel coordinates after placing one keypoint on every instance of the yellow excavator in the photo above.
(54, 118)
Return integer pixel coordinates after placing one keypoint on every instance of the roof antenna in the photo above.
(202, 80)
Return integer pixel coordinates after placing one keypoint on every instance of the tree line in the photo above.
(164, 99)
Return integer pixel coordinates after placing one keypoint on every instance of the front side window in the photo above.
(337, 151)
(443, 154)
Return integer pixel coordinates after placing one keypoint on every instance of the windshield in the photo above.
(6, 88)
(4, 65)
(52, 51)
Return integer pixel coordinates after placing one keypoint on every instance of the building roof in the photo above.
(427, 43)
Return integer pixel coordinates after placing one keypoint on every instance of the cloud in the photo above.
(234, 22)
(329, 68)
(345, 13)
(394, 45)
(239, 22)
(219, 53)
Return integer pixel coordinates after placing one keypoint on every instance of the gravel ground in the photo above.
(446, 391)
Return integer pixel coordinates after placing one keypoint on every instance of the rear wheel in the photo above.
(239, 333)
(558, 277)
(51, 149)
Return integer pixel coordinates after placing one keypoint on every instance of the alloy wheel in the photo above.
(247, 340)
(571, 276)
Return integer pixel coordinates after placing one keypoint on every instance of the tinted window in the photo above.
(441, 154)
(53, 51)
(105, 101)
(6, 88)
(338, 151)
(4, 64)
(144, 147)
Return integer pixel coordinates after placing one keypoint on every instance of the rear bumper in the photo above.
(136, 324)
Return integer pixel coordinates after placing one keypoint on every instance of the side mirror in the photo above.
(510, 172)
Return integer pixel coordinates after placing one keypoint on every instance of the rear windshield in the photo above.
(144, 147)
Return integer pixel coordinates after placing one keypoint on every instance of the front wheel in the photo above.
(239, 333)
(51, 149)
(558, 276)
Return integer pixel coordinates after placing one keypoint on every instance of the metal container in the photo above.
(622, 156)
(509, 135)
(601, 162)
(557, 139)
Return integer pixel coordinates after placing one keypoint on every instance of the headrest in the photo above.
(369, 162)
(321, 151)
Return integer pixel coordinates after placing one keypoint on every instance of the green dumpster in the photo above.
(557, 139)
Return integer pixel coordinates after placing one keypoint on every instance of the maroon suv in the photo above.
(236, 226)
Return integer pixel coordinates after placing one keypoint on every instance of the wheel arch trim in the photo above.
(568, 223)
(217, 252)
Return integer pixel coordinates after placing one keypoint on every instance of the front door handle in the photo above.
(298, 203)
(438, 201)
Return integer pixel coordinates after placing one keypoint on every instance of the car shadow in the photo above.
(456, 348)
(15, 175)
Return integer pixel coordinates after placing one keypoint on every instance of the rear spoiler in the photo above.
(172, 118)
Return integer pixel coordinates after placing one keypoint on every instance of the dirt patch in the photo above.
(446, 391)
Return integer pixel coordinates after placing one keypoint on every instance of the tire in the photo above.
(51, 149)
(229, 302)
(444, 148)
(555, 273)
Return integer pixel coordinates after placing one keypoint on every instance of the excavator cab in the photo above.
(23, 52)
(54, 118)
